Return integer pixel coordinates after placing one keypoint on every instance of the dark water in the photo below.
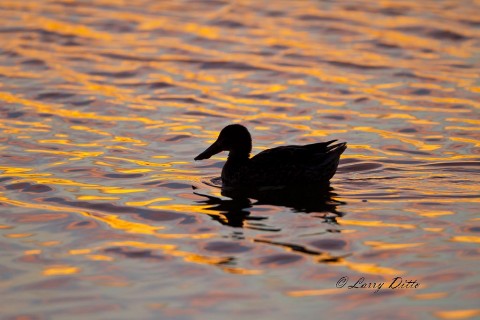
(104, 104)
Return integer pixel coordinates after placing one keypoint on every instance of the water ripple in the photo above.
(104, 105)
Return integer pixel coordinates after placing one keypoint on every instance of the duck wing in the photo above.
(296, 164)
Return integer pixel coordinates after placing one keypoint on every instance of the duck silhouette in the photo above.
(284, 166)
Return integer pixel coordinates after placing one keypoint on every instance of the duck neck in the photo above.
(238, 156)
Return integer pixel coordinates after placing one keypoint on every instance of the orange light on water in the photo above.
(458, 314)
(471, 239)
(317, 292)
(386, 246)
(430, 296)
(375, 223)
(60, 270)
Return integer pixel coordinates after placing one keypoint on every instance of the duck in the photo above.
(283, 166)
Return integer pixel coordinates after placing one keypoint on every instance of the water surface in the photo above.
(104, 105)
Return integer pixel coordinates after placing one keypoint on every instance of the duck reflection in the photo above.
(236, 210)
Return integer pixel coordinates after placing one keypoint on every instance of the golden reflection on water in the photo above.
(60, 270)
(458, 314)
(104, 105)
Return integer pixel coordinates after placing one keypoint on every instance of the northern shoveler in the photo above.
(314, 163)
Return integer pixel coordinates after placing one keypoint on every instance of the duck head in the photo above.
(234, 138)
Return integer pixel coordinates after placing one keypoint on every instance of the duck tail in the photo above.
(338, 148)
(329, 160)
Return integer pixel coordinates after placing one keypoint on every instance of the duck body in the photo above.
(294, 165)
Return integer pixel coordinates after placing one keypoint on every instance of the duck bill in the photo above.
(212, 150)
